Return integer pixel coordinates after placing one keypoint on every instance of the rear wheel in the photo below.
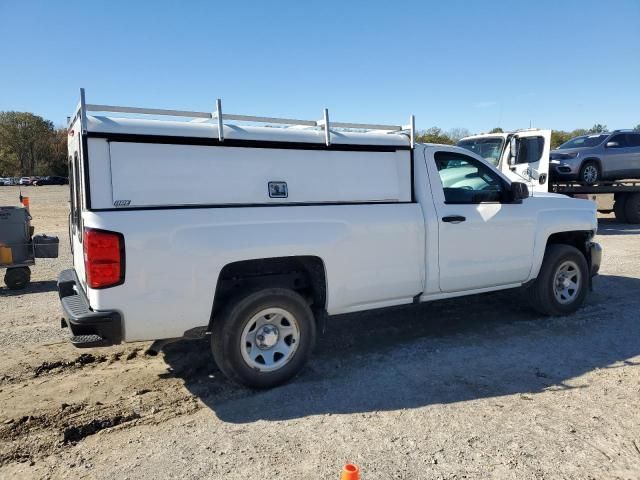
(562, 283)
(263, 339)
(17, 278)
(590, 172)
(632, 208)
(619, 209)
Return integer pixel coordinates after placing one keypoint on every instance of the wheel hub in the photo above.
(267, 336)
(270, 339)
(590, 174)
(567, 283)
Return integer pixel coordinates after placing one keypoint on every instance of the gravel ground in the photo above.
(473, 388)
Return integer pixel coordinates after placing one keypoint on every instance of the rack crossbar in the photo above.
(92, 107)
(367, 126)
(284, 121)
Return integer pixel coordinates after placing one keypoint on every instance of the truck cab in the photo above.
(523, 155)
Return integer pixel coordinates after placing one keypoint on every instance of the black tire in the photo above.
(591, 170)
(229, 325)
(632, 208)
(542, 293)
(619, 209)
(17, 278)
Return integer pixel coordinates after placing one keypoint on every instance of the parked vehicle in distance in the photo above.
(8, 181)
(25, 181)
(591, 159)
(523, 155)
(50, 181)
(302, 224)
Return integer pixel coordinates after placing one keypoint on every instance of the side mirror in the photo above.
(612, 145)
(513, 147)
(519, 191)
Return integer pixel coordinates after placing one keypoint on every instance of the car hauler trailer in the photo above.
(253, 235)
(620, 197)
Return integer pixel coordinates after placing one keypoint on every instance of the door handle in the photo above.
(454, 219)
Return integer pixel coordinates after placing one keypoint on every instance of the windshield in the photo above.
(582, 142)
(488, 148)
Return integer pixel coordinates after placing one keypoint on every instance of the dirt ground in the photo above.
(474, 388)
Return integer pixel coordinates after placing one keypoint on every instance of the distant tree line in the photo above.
(31, 145)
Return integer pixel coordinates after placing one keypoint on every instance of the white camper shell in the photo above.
(195, 225)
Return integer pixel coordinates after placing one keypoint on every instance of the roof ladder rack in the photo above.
(220, 117)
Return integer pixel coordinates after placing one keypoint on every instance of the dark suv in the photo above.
(600, 156)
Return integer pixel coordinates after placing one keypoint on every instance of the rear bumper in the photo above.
(89, 328)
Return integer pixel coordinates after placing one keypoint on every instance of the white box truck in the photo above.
(254, 234)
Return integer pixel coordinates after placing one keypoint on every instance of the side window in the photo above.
(530, 149)
(77, 200)
(466, 180)
(633, 139)
(72, 192)
(620, 139)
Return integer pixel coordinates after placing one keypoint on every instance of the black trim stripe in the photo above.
(205, 141)
(243, 205)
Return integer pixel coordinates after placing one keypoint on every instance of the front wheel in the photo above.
(561, 286)
(263, 339)
(590, 173)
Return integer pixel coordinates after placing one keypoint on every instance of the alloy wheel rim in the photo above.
(567, 282)
(590, 174)
(270, 339)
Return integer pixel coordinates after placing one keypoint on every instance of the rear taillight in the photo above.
(103, 258)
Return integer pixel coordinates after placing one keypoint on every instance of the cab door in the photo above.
(484, 240)
(528, 159)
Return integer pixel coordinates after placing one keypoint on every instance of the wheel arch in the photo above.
(576, 238)
(596, 160)
(305, 274)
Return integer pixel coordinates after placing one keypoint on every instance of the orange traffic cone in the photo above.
(350, 472)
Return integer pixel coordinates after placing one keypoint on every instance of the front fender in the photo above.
(555, 221)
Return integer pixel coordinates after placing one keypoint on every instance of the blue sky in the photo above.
(557, 64)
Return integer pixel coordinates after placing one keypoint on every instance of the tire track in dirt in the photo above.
(82, 395)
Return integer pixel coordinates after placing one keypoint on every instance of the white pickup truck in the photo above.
(253, 235)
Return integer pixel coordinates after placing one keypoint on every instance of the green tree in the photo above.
(496, 130)
(598, 128)
(434, 135)
(558, 137)
(637, 128)
(456, 134)
(55, 162)
(25, 142)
